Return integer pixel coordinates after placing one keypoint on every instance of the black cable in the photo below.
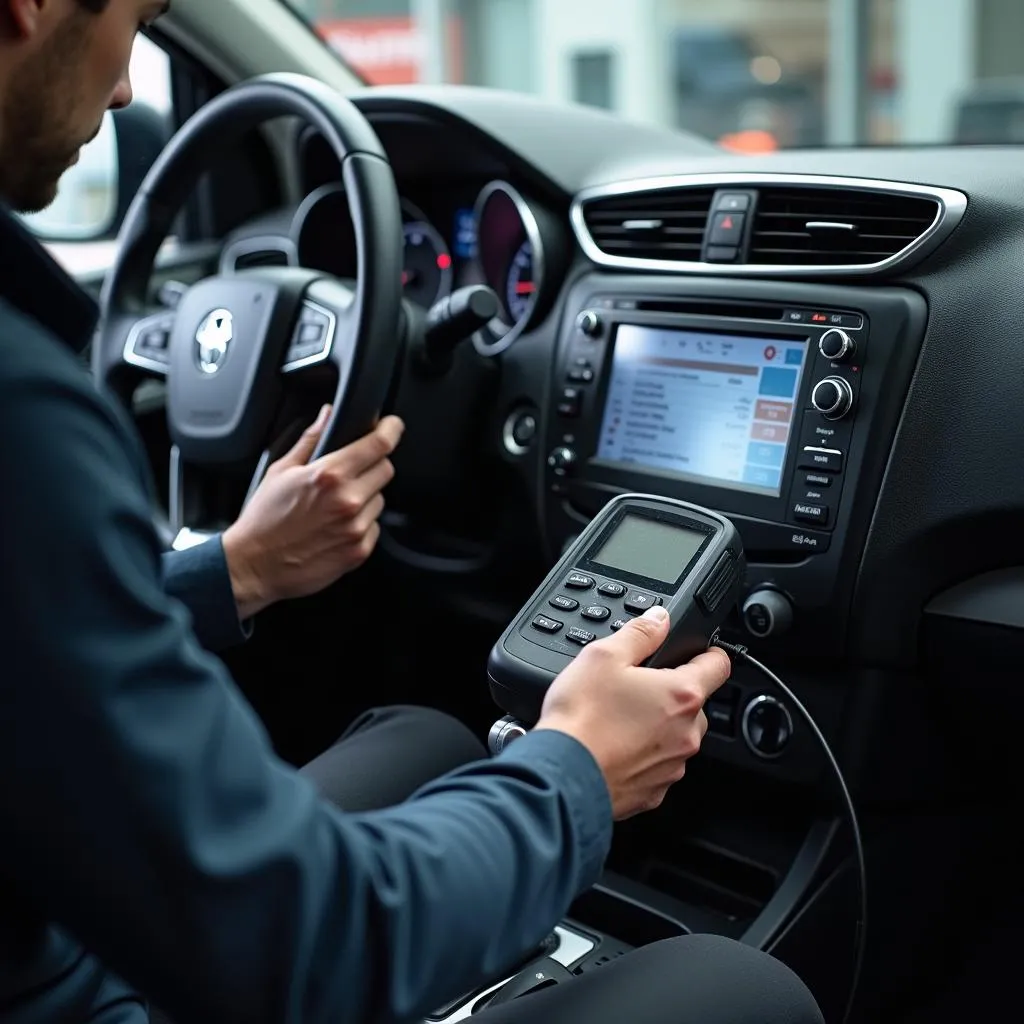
(741, 652)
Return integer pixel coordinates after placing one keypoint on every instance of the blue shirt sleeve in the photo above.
(199, 578)
(146, 814)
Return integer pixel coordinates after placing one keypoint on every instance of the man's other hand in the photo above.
(310, 523)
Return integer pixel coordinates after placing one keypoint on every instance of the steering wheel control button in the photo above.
(311, 340)
(597, 613)
(837, 345)
(149, 342)
(826, 460)
(563, 603)
(767, 613)
(767, 727)
(638, 603)
(832, 397)
(805, 512)
(611, 589)
(589, 323)
(546, 625)
(618, 624)
(580, 636)
(578, 581)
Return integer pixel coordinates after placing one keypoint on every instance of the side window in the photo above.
(80, 227)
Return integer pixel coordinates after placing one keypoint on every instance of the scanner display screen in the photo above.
(646, 547)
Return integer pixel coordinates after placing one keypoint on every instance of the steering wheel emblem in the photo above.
(215, 333)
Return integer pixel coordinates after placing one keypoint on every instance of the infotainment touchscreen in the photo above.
(715, 408)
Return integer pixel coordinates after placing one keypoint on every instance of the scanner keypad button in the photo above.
(577, 581)
(580, 636)
(638, 602)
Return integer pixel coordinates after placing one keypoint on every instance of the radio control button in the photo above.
(563, 603)
(767, 613)
(837, 345)
(832, 397)
(577, 581)
(818, 480)
(546, 625)
(579, 636)
(805, 512)
(611, 589)
(570, 402)
(637, 602)
(581, 376)
(589, 323)
(561, 460)
(826, 459)
(597, 613)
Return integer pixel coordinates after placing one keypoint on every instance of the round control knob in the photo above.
(561, 460)
(504, 731)
(767, 613)
(589, 323)
(832, 397)
(837, 345)
(767, 726)
(519, 432)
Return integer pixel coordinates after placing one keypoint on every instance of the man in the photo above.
(153, 847)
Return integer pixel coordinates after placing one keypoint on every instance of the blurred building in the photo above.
(751, 73)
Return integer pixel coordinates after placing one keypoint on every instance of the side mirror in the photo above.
(96, 192)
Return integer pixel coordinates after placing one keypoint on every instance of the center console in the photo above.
(760, 400)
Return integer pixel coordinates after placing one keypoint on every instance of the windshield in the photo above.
(754, 75)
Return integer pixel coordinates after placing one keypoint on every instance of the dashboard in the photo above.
(822, 346)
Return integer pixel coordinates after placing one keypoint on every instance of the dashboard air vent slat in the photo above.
(836, 227)
(657, 225)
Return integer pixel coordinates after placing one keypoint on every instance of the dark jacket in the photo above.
(148, 831)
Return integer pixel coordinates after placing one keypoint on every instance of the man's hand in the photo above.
(310, 523)
(641, 724)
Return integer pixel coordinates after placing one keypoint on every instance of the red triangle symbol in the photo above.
(727, 224)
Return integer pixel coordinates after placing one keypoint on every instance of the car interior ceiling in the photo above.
(883, 582)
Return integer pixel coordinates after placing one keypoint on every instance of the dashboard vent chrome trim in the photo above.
(949, 208)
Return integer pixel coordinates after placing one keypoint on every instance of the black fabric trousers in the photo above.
(387, 754)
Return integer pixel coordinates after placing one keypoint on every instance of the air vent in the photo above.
(659, 225)
(261, 258)
(807, 224)
(836, 226)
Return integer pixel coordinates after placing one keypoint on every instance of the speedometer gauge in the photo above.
(520, 286)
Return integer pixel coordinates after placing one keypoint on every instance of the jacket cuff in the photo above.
(572, 771)
(199, 578)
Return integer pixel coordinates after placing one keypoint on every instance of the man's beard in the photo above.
(39, 141)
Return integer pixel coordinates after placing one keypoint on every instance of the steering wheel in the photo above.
(230, 341)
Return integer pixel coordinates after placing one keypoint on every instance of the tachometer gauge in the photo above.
(520, 285)
(427, 271)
